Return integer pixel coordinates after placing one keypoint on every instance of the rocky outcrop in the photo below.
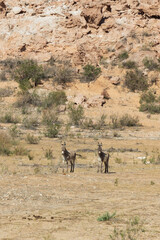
(81, 31)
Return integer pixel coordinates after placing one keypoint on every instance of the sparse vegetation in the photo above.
(6, 92)
(106, 217)
(90, 73)
(31, 139)
(49, 154)
(64, 74)
(129, 64)
(135, 80)
(9, 117)
(124, 121)
(132, 231)
(149, 102)
(30, 122)
(54, 99)
(20, 151)
(123, 55)
(52, 130)
(5, 143)
(150, 64)
(76, 114)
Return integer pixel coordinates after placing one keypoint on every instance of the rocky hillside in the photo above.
(82, 30)
(115, 35)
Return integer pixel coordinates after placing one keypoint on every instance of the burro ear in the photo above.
(64, 143)
(101, 144)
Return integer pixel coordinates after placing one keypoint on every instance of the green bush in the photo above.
(76, 114)
(149, 102)
(54, 99)
(129, 64)
(106, 217)
(90, 73)
(28, 74)
(123, 55)
(150, 64)
(135, 80)
(52, 130)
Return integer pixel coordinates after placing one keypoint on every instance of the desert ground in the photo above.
(40, 201)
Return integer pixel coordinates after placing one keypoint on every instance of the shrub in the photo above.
(6, 92)
(124, 121)
(52, 130)
(49, 154)
(90, 73)
(20, 151)
(123, 55)
(106, 217)
(9, 118)
(150, 64)
(129, 64)
(76, 114)
(129, 121)
(30, 122)
(13, 131)
(135, 80)
(49, 117)
(131, 232)
(54, 98)
(28, 98)
(149, 102)
(64, 74)
(32, 139)
(28, 74)
(3, 77)
(5, 143)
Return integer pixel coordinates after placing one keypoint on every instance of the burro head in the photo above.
(63, 147)
(99, 147)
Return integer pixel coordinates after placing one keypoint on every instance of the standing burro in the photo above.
(102, 158)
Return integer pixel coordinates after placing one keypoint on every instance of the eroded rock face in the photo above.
(81, 31)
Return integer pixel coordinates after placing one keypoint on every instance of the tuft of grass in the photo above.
(30, 122)
(49, 154)
(31, 139)
(9, 117)
(106, 217)
(5, 144)
(20, 151)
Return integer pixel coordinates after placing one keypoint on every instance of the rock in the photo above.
(79, 99)
(96, 101)
(105, 94)
(115, 80)
(17, 10)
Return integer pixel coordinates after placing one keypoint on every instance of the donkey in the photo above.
(68, 157)
(103, 158)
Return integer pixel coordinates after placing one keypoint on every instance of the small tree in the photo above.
(135, 80)
(90, 73)
(28, 74)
